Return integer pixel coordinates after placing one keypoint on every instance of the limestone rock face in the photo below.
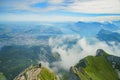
(30, 73)
(73, 76)
(99, 52)
(36, 73)
(115, 61)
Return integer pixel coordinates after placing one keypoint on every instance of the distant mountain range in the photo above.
(89, 29)
(58, 28)
(107, 36)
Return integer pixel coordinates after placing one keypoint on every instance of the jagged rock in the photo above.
(99, 52)
(29, 74)
(36, 73)
(82, 63)
(114, 60)
(73, 76)
(96, 65)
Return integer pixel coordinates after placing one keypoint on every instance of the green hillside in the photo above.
(36, 73)
(45, 74)
(95, 68)
(2, 76)
(99, 67)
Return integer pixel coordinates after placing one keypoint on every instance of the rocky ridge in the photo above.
(36, 73)
(94, 67)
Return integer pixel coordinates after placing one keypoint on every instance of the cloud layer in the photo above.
(83, 6)
(59, 10)
(95, 6)
(80, 49)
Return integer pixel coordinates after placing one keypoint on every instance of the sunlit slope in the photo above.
(36, 73)
(2, 76)
(45, 74)
(95, 68)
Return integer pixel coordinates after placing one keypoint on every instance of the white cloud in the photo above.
(83, 48)
(82, 6)
(95, 6)
(55, 1)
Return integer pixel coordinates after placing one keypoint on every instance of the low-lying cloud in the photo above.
(71, 54)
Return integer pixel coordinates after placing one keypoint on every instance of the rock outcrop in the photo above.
(94, 67)
(36, 73)
(89, 68)
(114, 60)
(30, 73)
(99, 52)
(73, 76)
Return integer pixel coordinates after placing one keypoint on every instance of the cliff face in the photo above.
(36, 73)
(72, 76)
(115, 61)
(100, 67)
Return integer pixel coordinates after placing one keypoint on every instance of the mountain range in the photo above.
(26, 44)
(102, 66)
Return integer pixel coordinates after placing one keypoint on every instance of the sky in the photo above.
(59, 10)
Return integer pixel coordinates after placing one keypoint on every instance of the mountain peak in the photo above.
(101, 52)
(36, 73)
(104, 31)
(99, 67)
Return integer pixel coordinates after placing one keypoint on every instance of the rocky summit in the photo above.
(36, 73)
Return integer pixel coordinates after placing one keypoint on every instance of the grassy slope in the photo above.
(2, 77)
(98, 68)
(45, 74)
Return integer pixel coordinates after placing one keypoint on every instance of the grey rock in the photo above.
(72, 75)
(99, 52)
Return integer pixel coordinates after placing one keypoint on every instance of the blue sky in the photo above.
(59, 10)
